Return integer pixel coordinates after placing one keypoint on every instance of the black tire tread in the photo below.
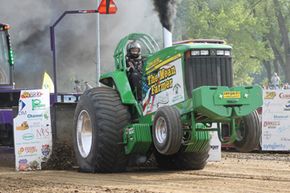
(111, 116)
(183, 160)
(253, 131)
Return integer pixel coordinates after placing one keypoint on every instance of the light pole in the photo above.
(98, 54)
(52, 42)
(105, 7)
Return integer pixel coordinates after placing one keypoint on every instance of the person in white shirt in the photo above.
(275, 80)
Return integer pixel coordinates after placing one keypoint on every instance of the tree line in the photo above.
(258, 31)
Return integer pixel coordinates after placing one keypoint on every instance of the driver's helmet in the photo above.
(133, 49)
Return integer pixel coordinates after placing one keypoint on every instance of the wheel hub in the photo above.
(84, 133)
(161, 130)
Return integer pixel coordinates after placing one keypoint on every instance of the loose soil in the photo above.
(237, 172)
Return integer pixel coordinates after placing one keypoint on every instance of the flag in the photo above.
(47, 83)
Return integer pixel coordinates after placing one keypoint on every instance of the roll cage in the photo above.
(148, 47)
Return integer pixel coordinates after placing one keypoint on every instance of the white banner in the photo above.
(215, 152)
(32, 130)
(276, 120)
(163, 86)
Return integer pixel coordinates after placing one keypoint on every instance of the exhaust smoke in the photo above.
(75, 41)
(167, 11)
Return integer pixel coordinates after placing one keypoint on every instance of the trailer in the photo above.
(8, 95)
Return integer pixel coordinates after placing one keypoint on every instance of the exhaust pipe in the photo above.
(167, 38)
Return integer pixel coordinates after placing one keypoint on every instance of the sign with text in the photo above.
(215, 152)
(32, 130)
(163, 85)
(276, 120)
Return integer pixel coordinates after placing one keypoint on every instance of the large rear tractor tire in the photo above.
(183, 160)
(99, 121)
(249, 131)
(167, 130)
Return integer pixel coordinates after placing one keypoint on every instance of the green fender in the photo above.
(120, 80)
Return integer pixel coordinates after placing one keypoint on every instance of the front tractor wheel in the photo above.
(167, 130)
(99, 120)
(249, 131)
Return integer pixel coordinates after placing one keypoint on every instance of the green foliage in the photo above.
(243, 24)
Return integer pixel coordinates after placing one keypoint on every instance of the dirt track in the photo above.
(235, 173)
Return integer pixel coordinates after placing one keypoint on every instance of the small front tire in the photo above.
(167, 130)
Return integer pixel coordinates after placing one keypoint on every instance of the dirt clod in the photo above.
(62, 158)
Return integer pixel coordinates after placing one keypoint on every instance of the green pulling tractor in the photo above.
(185, 89)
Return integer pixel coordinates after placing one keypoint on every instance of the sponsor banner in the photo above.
(32, 130)
(276, 120)
(215, 152)
(163, 85)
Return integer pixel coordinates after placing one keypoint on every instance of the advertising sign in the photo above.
(32, 130)
(215, 152)
(163, 84)
(276, 120)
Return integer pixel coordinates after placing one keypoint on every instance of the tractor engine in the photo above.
(210, 67)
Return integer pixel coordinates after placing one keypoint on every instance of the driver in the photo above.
(134, 64)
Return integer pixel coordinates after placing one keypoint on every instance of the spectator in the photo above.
(275, 80)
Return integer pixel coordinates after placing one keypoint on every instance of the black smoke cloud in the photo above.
(30, 21)
(166, 10)
(76, 37)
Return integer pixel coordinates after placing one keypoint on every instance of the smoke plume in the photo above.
(75, 37)
(166, 10)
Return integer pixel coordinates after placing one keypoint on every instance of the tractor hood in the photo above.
(174, 52)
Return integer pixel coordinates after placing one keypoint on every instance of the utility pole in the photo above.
(98, 54)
